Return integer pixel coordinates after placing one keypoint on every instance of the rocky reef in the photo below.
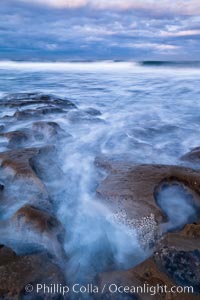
(32, 236)
(132, 191)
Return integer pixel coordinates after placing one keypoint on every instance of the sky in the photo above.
(99, 30)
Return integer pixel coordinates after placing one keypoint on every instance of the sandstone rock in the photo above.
(15, 138)
(175, 262)
(18, 271)
(188, 239)
(6, 254)
(50, 110)
(81, 116)
(29, 217)
(192, 230)
(192, 156)
(36, 227)
(25, 99)
(47, 129)
(92, 111)
(46, 166)
(37, 113)
(167, 267)
(130, 191)
(26, 114)
(183, 267)
(35, 105)
(21, 163)
(133, 187)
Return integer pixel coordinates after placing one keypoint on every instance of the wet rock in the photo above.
(46, 166)
(37, 113)
(156, 276)
(183, 267)
(192, 156)
(35, 105)
(6, 254)
(18, 169)
(175, 262)
(15, 138)
(192, 231)
(81, 116)
(92, 111)
(49, 110)
(19, 161)
(32, 226)
(47, 129)
(19, 271)
(27, 114)
(25, 99)
(134, 187)
(130, 191)
(1, 187)
(29, 217)
(188, 239)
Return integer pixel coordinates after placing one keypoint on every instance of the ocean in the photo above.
(141, 104)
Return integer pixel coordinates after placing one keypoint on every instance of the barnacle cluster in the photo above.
(145, 228)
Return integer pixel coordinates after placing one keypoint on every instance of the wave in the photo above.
(181, 68)
(181, 64)
(65, 66)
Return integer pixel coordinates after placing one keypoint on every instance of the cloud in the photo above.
(160, 47)
(189, 7)
(183, 33)
(58, 3)
(89, 29)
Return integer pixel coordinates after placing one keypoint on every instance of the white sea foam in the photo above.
(106, 66)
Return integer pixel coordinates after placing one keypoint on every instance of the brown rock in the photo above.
(16, 138)
(18, 271)
(154, 278)
(26, 99)
(31, 229)
(130, 191)
(188, 239)
(6, 254)
(21, 163)
(46, 166)
(26, 114)
(47, 129)
(81, 116)
(133, 188)
(29, 217)
(37, 113)
(176, 262)
(192, 156)
(192, 231)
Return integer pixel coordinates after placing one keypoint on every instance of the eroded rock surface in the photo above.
(130, 191)
(175, 263)
(31, 234)
(15, 138)
(19, 271)
(27, 99)
(192, 156)
(176, 260)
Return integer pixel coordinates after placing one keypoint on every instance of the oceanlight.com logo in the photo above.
(59, 289)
